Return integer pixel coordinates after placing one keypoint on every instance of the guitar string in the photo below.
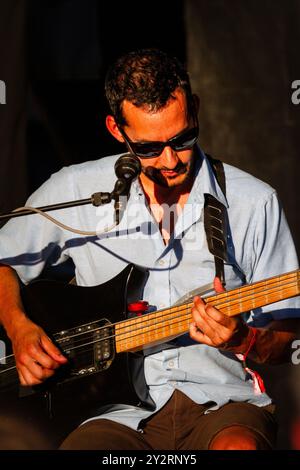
(11, 371)
(146, 320)
(86, 349)
(275, 287)
(234, 294)
(181, 319)
(228, 300)
(185, 308)
(170, 312)
(132, 336)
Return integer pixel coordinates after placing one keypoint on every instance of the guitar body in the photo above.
(59, 307)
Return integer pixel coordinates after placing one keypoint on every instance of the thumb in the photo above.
(52, 350)
(218, 286)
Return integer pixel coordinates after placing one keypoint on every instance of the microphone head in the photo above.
(127, 167)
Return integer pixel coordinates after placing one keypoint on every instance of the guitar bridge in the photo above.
(89, 347)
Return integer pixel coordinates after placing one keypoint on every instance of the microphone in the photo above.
(127, 168)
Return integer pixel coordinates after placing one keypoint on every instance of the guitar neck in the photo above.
(157, 327)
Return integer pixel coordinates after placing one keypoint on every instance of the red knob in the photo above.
(138, 308)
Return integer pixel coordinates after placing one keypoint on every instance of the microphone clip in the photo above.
(127, 168)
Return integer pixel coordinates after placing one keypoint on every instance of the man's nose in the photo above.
(169, 158)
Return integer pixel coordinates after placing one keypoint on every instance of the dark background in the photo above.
(242, 56)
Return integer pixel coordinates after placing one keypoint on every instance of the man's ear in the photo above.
(196, 103)
(113, 128)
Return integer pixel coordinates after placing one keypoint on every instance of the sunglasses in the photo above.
(182, 141)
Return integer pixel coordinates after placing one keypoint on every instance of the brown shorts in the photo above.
(180, 425)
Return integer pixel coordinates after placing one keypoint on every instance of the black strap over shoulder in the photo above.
(215, 221)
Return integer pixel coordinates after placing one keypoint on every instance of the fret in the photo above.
(267, 294)
(241, 303)
(252, 303)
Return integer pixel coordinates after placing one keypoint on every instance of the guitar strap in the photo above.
(215, 221)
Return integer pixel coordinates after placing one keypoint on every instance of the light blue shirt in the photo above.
(259, 245)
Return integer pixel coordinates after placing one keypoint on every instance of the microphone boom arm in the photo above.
(127, 167)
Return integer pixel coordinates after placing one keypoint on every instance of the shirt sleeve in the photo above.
(28, 243)
(272, 253)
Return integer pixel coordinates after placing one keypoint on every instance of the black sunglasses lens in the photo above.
(182, 142)
(186, 140)
(147, 150)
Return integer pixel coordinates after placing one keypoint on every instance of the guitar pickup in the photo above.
(89, 347)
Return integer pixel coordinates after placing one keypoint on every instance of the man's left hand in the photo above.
(215, 329)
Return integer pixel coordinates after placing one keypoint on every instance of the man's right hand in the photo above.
(36, 356)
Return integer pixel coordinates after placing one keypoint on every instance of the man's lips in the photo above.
(174, 172)
(159, 173)
(169, 172)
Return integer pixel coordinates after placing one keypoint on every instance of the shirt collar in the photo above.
(205, 181)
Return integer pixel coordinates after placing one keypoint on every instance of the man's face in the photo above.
(171, 168)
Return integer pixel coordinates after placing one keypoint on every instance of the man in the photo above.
(204, 397)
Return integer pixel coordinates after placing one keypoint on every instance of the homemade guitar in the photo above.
(90, 326)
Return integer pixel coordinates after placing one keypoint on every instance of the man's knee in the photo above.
(101, 434)
(235, 438)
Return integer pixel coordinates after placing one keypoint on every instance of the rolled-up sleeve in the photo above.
(27, 243)
(273, 253)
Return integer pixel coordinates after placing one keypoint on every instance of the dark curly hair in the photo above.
(146, 78)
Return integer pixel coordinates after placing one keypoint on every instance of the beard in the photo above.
(178, 176)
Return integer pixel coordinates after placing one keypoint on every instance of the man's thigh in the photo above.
(103, 434)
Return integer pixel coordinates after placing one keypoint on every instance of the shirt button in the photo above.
(171, 363)
(161, 262)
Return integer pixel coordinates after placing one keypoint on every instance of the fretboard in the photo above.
(157, 327)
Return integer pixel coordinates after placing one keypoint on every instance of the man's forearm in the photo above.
(271, 346)
(11, 307)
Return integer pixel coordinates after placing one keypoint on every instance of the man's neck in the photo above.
(159, 197)
(157, 194)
